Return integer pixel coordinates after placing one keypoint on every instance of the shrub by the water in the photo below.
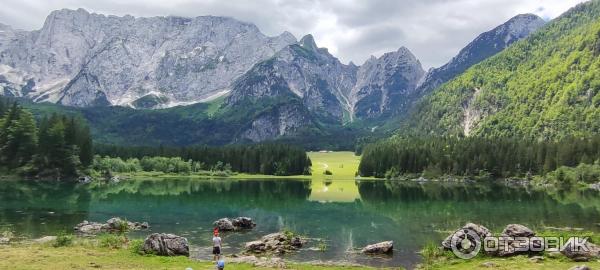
(112, 241)
(63, 240)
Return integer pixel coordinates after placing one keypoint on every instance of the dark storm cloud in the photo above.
(434, 30)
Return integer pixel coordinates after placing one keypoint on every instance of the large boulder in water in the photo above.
(114, 224)
(379, 248)
(234, 224)
(275, 243)
(166, 245)
(461, 234)
(243, 223)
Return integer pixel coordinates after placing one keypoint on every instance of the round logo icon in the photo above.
(466, 243)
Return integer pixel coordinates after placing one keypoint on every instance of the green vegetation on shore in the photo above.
(267, 159)
(472, 156)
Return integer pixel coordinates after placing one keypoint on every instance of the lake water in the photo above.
(346, 214)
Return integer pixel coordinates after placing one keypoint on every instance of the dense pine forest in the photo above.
(269, 159)
(498, 157)
(53, 147)
(56, 146)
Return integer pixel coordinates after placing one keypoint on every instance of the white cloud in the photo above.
(435, 30)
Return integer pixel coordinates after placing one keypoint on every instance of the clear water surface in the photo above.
(346, 215)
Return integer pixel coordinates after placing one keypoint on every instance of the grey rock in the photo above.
(480, 230)
(301, 71)
(85, 179)
(537, 259)
(275, 243)
(85, 59)
(383, 84)
(224, 224)
(379, 248)
(115, 179)
(580, 267)
(243, 223)
(517, 230)
(234, 224)
(586, 253)
(489, 265)
(163, 244)
(45, 239)
(112, 225)
(4, 240)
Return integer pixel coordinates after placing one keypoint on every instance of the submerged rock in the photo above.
(234, 224)
(85, 179)
(163, 244)
(114, 224)
(379, 248)
(275, 243)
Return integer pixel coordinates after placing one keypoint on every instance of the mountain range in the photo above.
(545, 87)
(253, 87)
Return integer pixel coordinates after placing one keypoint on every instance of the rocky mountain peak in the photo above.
(484, 46)
(85, 59)
(308, 42)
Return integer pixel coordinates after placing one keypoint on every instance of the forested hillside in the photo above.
(546, 86)
(473, 156)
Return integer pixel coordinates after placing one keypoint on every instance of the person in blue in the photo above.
(221, 265)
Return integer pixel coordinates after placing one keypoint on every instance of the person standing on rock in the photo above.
(216, 246)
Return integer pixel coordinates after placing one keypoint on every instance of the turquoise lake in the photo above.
(345, 215)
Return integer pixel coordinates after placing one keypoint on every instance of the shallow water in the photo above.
(346, 215)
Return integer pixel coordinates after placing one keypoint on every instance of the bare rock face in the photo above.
(86, 59)
(383, 84)
(277, 243)
(379, 248)
(163, 244)
(234, 224)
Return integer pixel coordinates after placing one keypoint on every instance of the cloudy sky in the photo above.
(434, 30)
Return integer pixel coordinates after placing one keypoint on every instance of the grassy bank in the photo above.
(88, 254)
(512, 263)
